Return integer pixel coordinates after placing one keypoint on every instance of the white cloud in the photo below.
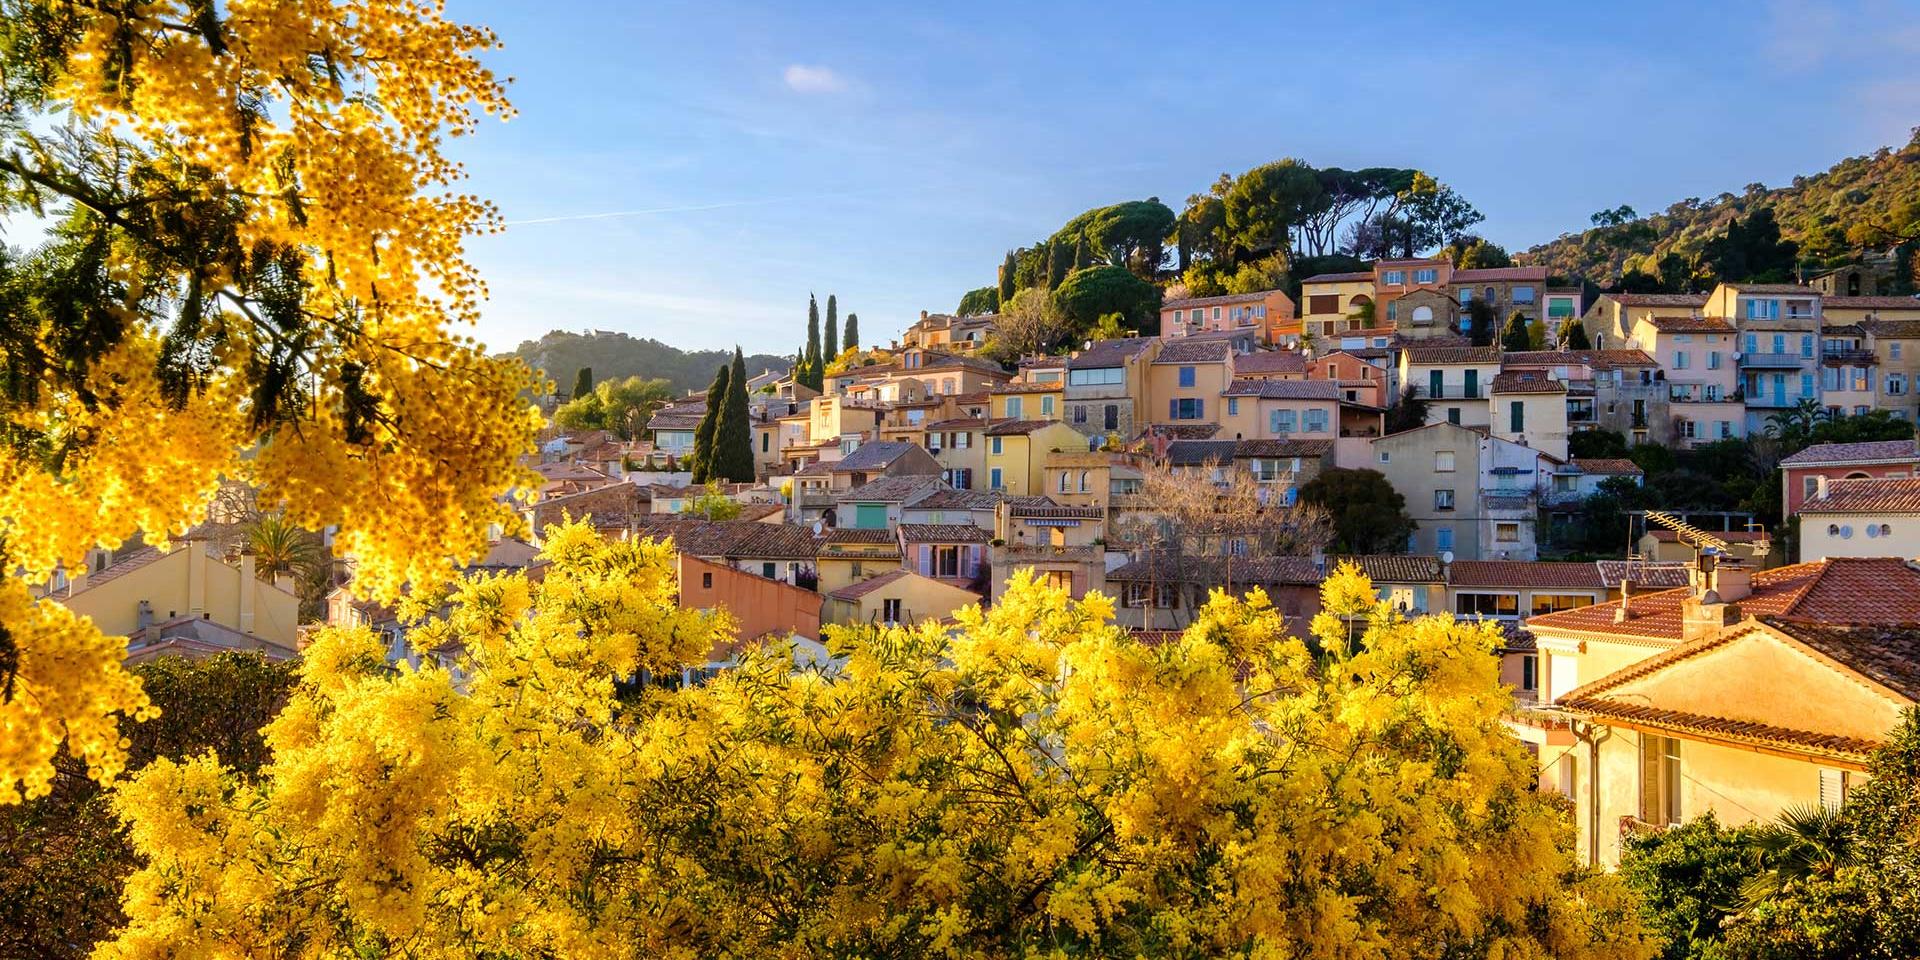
(805, 78)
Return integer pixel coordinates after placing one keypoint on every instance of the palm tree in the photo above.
(1794, 426)
(280, 547)
(1806, 842)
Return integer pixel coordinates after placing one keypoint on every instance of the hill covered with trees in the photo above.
(561, 354)
(1862, 204)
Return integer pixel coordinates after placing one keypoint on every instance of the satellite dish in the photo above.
(817, 528)
(1446, 557)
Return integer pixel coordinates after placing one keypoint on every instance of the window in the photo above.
(1422, 316)
(994, 480)
(706, 580)
(1394, 278)
(1829, 378)
(890, 609)
(769, 570)
(1763, 309)
(1386, 457)
(1443, 499)
(1186, 376)
(1064, 481)
(1556, 602)
(1079, 413)
(1216, 313)
(1442, 539)
(1806, 385)
(1443, 461)
(962, 440)
(1893, 350)
(1046, 407)
(1833, 788)
(1686, 429)
(994, 447)
(1806, 347)
(1522, 294)
(1779, 343)
(1281, 421)
(1471, 388)
(1112, 419)
(1466, 296)
(1453, 415)
(766, 441)
(1163, 595)
(1896, 384)
(1659, 780)
(1713, 359)
(1530, 672)
(1435, 385)
(1724, 429)
(1097, 377)
(1425, 275)
(1487, 604)
(1316, 421)
(1085, 481)
(1191, 408)
(1014, 405)
(1233, 406)
(1680, 360)
(1506, 532)
(1517, 416)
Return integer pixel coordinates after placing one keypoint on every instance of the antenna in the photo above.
(1690, 535)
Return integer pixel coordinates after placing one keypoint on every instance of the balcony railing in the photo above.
(1766, 399)
(1775, 361)
(1045, 552)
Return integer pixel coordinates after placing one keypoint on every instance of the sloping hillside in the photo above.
(617, 355)
(1832, 215)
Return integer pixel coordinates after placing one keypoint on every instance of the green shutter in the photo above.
(870, 516)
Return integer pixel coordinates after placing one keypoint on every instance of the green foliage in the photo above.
(703, 433)
(732, 448)
(1408, 412)
(980, 302)
(851, 339)
(1089, 294)
(1368, 514)
(1481, 320)
(1537, 334)
(1515, 337)
(1689, 881)
(1111, 326)
(64, 857)
(1807, 423)
(1476, 253)
(1751, 250)
(617, 356)
(1007, 288)
(1132, 235)
(1433, 214)
(1596, 445)
(1269, 273)
(582, 382)
(815, 359)
(1871, 201)
(829, 341)
(620, 407)
(1266, 202)
(713, 504)
(1576, 334)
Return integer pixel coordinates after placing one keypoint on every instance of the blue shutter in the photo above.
(926, 560)
(1200, 409)
(1173, 409)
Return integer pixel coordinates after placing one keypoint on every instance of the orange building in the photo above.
(760, 606)
(1270, 312)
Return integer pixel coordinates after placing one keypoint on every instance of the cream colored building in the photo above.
(1452, 379)
(1333, 303)
(1872, 517)
(1674, 700)
(186, 599)
(898, 596)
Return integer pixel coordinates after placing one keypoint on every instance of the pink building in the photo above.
(1800, 474)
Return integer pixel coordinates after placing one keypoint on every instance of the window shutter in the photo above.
(973, 561)
(1173, 409)
(1833, 788)
(926, 560)
(1200, 409)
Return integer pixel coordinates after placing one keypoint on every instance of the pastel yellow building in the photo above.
(185, 600)
(1027, 401)
(1017, 452)
(898, 596)
(1186, 380)
(1333, 303)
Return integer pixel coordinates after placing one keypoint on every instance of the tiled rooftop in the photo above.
(1838, 590)
(1421, 354)
(1871, 451)
(1189, 350)
(1608, 466)
(1869, 496)
(1527, 382)
(1285, 389)
(1525, 575)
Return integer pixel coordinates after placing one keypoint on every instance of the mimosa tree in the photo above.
(253, 270)
(1032, 782)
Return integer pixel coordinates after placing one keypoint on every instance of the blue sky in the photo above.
(691, 170)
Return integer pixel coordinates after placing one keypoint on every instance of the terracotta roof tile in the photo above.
(1284, 389)
(1110, 353)
(1867, 496)
(1692, 324)
(906, 488)
(1658, 299)
(1501, 274)
(1871, 451)
(855, 591)
(1190, 350)
(1439, 354)
(942, 533)
(1525, 575)
(860, 535)
(1222, 300)
(1838, 590)
(1365, 275)
(1526, 382)
(1270, 362)
(1393, 568)
(1009, 428)
(1871, 303)
(1607, 466)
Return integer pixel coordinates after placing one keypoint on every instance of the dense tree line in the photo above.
(618, 356)
(1864, 204)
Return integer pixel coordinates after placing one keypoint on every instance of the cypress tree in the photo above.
(853, 332)
(830, 341)
(582, 383)
(813, 337)
(1515, 338)
(1008, 270)
(703, 434)
(1577, 336)
(733, 433)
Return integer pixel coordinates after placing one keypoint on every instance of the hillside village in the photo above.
(909, 488)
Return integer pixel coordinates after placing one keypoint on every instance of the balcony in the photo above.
(1774, 361)
(1765, 399)
(1047, 553)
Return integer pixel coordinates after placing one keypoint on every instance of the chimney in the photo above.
(196, 576)
(249, 583)
(1623, 614)
(1820, 488)
(145, 616)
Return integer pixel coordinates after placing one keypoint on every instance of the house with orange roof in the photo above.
(1268, 313)
(1802, 472)
(898, 597)
(1334, 303)
(1106, 389)
(1868, 517)
(1661, 706)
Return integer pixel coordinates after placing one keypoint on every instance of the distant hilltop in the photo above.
(560, 354)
